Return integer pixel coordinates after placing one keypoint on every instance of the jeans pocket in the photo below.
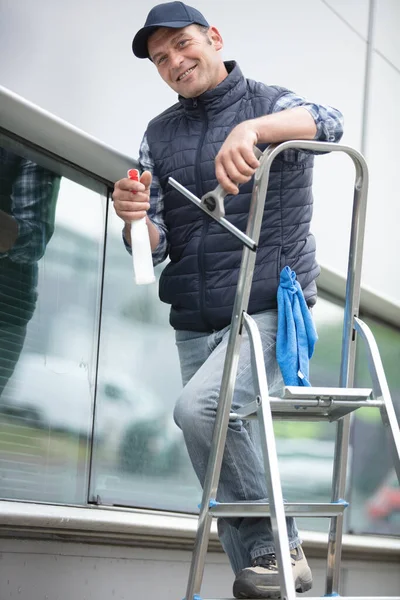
(182, 335)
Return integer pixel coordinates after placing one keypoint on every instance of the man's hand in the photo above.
(235, 162)
(132, 198)
(131, 202)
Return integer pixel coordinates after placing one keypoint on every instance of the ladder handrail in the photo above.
(352, 304)
(245, 277)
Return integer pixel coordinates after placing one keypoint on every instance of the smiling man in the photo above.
(205, 139)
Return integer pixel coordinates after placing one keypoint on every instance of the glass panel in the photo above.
(139, 455)
(306, 447)
(51, 238)
(375, 501)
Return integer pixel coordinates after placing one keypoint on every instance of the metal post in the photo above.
(347, 365)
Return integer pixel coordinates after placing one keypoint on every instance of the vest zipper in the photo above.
(199, 192)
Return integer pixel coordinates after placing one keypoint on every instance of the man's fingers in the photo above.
(125, 206)
(129, 211)
(129, 185)
(224, 180)
(243, 168)
(233, 169)
(129, 198)
(233, 173)
(128, 217)
(250, 158)
(145, 179)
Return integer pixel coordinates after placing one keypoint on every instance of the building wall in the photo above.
(37, 570)
(77, 63)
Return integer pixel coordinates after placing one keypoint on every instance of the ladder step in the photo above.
(261, 509)
(313, 403)
(326, 393)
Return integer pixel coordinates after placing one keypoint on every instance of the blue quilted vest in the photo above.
(200, 280)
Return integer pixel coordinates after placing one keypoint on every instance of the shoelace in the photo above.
(268, 561)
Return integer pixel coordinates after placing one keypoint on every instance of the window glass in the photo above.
(306, 447)
(375, 497)
(51, 238)
(139, 455)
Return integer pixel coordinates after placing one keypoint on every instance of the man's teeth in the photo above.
(185, 73)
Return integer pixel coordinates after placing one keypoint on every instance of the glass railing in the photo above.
(88, 367)
(50, 274)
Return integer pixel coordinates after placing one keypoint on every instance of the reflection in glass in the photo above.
(49, 291)
(139, 454)
(28, 196)
(375, 488)
(306, 447)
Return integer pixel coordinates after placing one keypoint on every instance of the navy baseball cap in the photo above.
(168, 14)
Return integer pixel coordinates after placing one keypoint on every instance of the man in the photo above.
(28, 196)
(206, 138)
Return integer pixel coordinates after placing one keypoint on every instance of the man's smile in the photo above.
(186, 73)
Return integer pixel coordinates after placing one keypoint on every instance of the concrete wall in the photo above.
(44, 570)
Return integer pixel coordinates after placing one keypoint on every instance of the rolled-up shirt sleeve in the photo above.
(156, 210)
(328, 120)
(33, 202)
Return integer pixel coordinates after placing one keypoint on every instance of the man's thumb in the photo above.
(145, 178)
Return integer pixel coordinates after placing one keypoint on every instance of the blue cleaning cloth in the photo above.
(296, 334)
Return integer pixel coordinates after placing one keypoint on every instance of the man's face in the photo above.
(188, 59)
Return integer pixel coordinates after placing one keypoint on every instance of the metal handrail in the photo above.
(44, 130)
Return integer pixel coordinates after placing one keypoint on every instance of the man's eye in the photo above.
(161, 60)
(183, 43)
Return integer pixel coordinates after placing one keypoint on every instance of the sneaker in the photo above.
(261, 580)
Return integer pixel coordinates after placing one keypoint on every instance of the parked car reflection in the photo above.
(132, 432)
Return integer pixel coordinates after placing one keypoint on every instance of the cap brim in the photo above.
(139, 44)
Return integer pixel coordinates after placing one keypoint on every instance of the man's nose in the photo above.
(176, 60)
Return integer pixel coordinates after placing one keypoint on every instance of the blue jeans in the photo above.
(242, 477)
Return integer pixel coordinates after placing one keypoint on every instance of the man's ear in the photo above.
(215, 37)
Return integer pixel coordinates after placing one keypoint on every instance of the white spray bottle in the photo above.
(141, 249)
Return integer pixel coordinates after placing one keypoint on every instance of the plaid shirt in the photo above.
(28, 193)
(329, 123)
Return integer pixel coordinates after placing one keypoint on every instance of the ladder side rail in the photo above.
(270, 455)
(352, 303)
(256, 210)
(347, 369)
(227, 386)
(381, 391)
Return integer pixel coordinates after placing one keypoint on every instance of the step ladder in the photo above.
(318, 403)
